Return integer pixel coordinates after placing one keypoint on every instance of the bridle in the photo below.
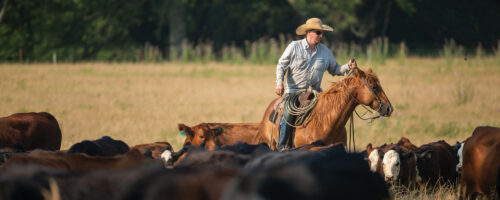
(381, 104)
(351, 124)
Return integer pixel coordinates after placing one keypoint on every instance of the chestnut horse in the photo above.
(333, 109)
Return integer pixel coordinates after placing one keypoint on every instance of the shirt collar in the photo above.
(304, 43)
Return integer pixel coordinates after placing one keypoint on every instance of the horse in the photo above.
(333, 109)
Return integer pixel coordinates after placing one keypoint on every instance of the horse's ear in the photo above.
(357, 72)
(370, 70)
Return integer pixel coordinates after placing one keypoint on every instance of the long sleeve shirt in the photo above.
(306, 68)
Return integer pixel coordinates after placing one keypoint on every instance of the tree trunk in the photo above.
(177, 27)
(2, 12)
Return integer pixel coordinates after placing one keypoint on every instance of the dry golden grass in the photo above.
(142, 103)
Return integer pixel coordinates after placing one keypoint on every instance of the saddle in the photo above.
(279, 108)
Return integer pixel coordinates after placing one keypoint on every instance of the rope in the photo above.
(351, 135)
(303, 114)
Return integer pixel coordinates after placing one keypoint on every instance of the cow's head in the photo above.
(391, 164)
(200, 135)
(424, 160)
(373, 157)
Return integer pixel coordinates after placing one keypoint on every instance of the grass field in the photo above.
(142, 103)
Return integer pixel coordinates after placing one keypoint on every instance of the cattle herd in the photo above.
(223, 161)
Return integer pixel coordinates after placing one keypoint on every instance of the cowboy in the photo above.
(305, 61)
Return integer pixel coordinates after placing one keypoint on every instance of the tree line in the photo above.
(113, 30)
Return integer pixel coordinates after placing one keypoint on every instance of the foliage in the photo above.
(155, 30)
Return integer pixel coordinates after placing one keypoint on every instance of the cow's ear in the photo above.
(456, 146)
(426, 154)
(408, 154)
(183, 129)
(369, 148)
(218, 130)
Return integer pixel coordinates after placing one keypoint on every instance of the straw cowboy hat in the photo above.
(312, 23)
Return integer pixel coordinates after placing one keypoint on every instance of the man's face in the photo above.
(315, 36)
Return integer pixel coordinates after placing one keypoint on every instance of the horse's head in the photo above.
(371, 93)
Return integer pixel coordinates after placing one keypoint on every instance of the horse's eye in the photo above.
(374, 88)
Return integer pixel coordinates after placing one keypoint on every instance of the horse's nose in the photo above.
(390, 109)
(386, 109)
(388, 178)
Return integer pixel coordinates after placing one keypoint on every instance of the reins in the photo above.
(351, 124)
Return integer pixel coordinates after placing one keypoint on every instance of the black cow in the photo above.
(105, 146)
(324, 174)
(436, 163)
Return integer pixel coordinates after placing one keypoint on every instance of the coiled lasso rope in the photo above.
(303, 114)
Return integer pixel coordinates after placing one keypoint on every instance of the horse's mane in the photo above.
(334, 99)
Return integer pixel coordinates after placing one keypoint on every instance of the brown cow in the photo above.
(481, 161)
(80, 161)
(436, 163)
(31, 130)
(210, 135)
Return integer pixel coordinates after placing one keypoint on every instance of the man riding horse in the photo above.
(305, 61)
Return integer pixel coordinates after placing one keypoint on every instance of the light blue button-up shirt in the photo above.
(306, 68)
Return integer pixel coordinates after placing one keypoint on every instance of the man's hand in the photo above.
(352, 63)
(279, 90)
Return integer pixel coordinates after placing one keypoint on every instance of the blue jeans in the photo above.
(286, 130)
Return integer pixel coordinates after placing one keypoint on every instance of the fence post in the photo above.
(141, 55)
(21, 55)
(54, 58)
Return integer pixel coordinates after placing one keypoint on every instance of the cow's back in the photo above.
(105, 146)
(31, 130)
(232, 133)
(481, 160)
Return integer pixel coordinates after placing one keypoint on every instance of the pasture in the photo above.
(142, 103)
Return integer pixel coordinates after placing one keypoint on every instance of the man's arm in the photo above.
(283, 65)
(342, 70)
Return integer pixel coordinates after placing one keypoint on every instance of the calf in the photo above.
(436, 163)
(31, 130)
(481, 161)
(105, 146)
(399, 164)
(218, 134)
(375, 156)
